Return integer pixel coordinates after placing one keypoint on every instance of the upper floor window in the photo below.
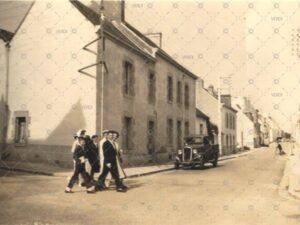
(179, 92)
(151, 88)
(170, 89)
(227, 120)
(128, 79)
(186, 96)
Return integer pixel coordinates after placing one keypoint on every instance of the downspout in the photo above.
(7, 48)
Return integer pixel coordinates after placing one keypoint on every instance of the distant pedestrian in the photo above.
(79, 167)
(279, 147)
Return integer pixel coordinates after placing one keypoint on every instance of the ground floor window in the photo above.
(127, 133)
(170, 131)
(21, 122)
(179, 134)
(151, 137)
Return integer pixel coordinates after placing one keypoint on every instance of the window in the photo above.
(233, 122)
(151, 137)
(21, 130)
(186, 128)
(128, 79)
(179, 134)
(170, 89)
(170, 131)
(201, 129)
(179, 92)
(227, 120)
(151, 85)
(186, 96)
(127, 132)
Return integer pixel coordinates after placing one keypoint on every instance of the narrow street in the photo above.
(239, 191)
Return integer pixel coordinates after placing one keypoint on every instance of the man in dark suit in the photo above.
(109, 165)
(79, 167)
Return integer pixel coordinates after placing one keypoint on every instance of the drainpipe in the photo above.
(220, 118)
(7, 73)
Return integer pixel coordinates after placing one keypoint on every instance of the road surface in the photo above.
(239, 191)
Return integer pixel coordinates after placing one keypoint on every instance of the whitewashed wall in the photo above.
(46, 54)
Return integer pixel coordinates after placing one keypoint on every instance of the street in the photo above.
(238, 191)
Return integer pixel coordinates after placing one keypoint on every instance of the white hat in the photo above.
(80, 133)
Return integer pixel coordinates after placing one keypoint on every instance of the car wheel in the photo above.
(201, 163)
(215, 162)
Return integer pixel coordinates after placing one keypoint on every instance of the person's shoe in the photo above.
(90, 191)
(124, 186)
(121, 189)
(99, 188)
(68, 191)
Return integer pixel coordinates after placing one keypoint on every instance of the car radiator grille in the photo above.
(187, 154)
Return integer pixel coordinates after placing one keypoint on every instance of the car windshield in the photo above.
(194, 140)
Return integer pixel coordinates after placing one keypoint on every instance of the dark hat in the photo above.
(94, 136)
(116, 132)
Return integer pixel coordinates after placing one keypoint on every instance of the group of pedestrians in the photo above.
(102, 156)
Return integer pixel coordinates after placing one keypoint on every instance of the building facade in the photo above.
(5, 37)
(201, 123)
(229, 126)
(70, 76)
(244, 125)
(207, 102)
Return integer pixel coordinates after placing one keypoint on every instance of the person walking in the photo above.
(109, 164)
(79, 167)
(93, 156)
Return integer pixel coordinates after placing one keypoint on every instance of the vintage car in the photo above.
(197, 151)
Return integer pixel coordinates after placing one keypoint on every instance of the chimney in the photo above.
(226, 99)
(114, 10)
(211, 89)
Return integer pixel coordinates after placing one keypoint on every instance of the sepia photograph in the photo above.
(149, 112)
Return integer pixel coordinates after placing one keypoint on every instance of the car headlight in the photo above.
(179, 151)
(195, 151)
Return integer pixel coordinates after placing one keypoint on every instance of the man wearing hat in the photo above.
(100, 148)
(79, 133)
(79, 153)
(108, 159)
(122, 174)
(93, 155)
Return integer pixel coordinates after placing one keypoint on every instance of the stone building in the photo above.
(229, 126)
(72, 73)
(207, 101)
(244, 125)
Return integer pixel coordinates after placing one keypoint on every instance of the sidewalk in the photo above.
(291, 178)
(49, 170)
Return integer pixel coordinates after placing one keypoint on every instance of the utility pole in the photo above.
(220, 117)
(102, 63)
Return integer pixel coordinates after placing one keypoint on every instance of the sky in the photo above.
(252, 48)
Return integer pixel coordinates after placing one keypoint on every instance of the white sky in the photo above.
(252, 43)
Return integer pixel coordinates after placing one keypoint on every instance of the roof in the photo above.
(129, 36)
(201, 114)
(5, 35)
(230, 108)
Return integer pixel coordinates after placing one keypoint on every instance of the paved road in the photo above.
(239, 191)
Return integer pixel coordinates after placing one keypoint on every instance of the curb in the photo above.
(26, 171)
(130, 176)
